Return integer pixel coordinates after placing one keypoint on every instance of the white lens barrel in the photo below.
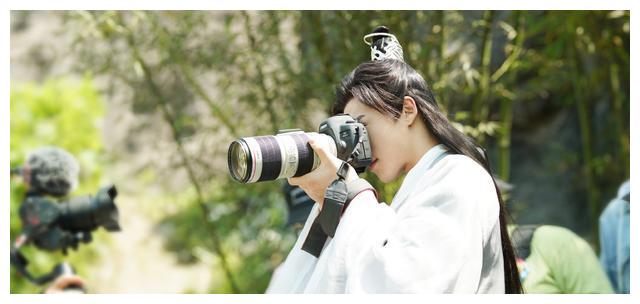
(275, 157)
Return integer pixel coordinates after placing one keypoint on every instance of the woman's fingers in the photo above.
(293, 181)
(315, 183)
(323, 151)
(304, 180)
(319, 149)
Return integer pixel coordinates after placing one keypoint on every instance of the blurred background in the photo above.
(150, 100)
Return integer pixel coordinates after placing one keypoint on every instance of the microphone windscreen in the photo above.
(52, 170)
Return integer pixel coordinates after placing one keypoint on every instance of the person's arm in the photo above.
(434, 243)
(607, 244)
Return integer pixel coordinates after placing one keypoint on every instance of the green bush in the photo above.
(64, 113)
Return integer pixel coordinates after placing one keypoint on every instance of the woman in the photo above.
(444, 231)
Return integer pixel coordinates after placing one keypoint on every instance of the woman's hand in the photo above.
(316, 182)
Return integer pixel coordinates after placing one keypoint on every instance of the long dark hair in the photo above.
(383, 85)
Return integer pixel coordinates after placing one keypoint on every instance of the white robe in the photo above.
(441, 234)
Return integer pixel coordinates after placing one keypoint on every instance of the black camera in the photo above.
(62, 225)
(288, 154)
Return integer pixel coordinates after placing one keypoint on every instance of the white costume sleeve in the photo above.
(442, 235)
(435, 242)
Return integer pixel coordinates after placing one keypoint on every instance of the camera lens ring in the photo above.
(241, 148)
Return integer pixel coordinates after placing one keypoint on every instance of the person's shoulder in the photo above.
(613, 207)
(560, 238)
(556, 232)
(465, 171)
(462, 180)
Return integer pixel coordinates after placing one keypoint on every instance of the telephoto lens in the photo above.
(271, 157)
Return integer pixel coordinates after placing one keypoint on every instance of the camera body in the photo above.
(288, 154)
(52, 226)
(351, 138)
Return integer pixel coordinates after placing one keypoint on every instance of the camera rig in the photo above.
(59, 226)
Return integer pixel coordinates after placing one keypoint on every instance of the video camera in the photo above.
(58, 225)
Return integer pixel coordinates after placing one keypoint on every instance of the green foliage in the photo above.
(249, 220)
(64, 113)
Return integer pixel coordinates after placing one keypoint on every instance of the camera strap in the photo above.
(336, 198)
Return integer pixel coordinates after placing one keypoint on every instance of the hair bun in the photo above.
(384, 45)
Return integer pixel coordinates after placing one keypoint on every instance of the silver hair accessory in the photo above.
(52, 171)
(384, 45)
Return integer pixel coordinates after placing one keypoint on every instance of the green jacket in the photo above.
(561, 262)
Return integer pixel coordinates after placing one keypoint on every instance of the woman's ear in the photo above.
(409, 110)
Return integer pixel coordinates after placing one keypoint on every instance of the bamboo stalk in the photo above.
(506, 104)
(618, 118)
(480, 106)
(200, 92)
(187, 72)
(582, 107)
(504, 143)
(442, 43)
(422, 59)
(273, 117)
(217, 245)
(517, 50)
(324, 50)
(285, 63)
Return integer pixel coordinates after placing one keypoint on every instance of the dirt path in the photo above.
(136, 261)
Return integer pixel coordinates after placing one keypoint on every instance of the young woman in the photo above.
(444, 231)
